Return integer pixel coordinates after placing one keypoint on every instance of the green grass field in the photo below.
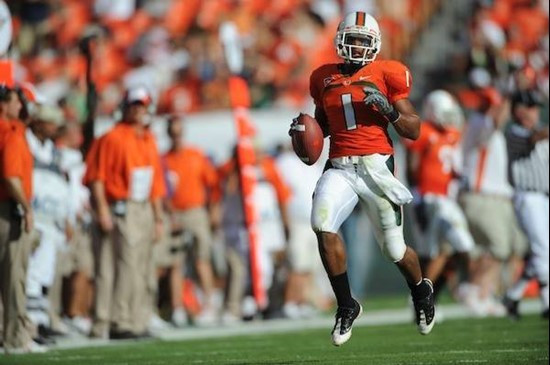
(483, 341)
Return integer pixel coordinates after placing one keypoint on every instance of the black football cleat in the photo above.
(341, 332)
(424, 310)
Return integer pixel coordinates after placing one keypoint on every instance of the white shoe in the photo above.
(291, 310)
(179, 317)
(494, 308)
(229, 319)
(249, 308)
(208, 317)
(157, 324)
(82, 324)
(31, 348)
(61, 326)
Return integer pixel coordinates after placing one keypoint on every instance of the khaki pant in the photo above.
(236, 281)
(79, 257)
(15, 248)
(55, 292)
(104, 259)
(133, 246)
(493, 225)
(197, 222)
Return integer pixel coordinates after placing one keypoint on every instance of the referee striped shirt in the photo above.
(528, 163)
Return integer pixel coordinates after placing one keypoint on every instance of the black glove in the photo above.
(373, 97)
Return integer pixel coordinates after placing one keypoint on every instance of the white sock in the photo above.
(544, 296)
(517, 290)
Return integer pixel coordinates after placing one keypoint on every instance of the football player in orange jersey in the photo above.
(355, 103)
(432, 163)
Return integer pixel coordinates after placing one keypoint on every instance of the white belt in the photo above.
(346, 160)
(375, 166)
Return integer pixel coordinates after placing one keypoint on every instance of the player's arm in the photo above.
(14, 187)
(97, 189)
(408, 122)
(395, 104)
(11, 163)
(322, 120)
(401, 114)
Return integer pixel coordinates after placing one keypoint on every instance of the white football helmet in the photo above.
(358, 26)
(442, 109)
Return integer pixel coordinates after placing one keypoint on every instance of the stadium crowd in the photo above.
(114, 240)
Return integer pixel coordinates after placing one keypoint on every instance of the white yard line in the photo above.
(372, 318)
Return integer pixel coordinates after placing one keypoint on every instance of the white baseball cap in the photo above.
(138, 95)
(50, 114)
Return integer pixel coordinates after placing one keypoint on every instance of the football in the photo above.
(307, 139)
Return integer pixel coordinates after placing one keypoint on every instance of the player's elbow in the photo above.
(413, 130)
(414, 134)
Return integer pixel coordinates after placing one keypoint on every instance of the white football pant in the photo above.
(446, 223)
(348, 182)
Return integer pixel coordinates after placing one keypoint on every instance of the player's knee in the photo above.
(394, 249)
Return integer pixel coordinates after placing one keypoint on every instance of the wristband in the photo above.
(393, 116)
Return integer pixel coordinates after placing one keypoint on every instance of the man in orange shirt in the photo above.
(194, 205)
(127, 186)
(16, 223)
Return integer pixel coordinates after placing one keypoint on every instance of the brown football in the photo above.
(307, 139)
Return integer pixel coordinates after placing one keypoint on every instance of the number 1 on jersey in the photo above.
(349, 112)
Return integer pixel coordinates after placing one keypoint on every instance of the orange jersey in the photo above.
(15, 157)
(192, 178)
(355, 128)
(436, 149)
(127, 163)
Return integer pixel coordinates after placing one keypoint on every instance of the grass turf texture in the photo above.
(480, 341)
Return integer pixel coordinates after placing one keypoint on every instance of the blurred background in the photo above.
(173, 48)
(82, 55)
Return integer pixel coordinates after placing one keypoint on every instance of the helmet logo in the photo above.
(360, 18)
(358, 38)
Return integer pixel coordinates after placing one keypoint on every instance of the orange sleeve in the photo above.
(398, 79)
(158, 189)
(274, 177)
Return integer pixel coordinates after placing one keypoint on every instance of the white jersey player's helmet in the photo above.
(358, 26)
(442, 109)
